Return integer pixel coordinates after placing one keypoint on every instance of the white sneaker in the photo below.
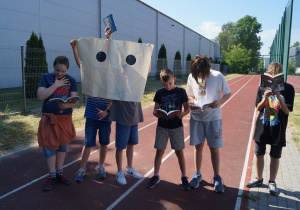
(121, 178)
(132, 172)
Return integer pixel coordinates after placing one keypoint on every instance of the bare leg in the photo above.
(181, 161)
(119, 153)
(215, 159)
(51, 162)
(85, 156)
(259, 163)
(60, 159)
(157, 161)
(102, 154)
(274, 165)
(198, 156)
(129, 155)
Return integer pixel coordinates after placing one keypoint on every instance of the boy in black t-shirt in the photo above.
(169, 98)
(271, 123)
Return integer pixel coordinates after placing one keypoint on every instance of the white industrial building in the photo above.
(59, 21)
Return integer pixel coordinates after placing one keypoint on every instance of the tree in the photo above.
(35, 64)
(296, 44)
(226, 37)
(246, 32)
(177, 65)
(292, 66)
(188, 64)
(238, 58)
(140, 40)
(162, 62)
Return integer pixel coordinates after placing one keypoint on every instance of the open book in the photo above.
(200, 107)
(269, 82)
(110, 23)
(170, 113)
(71, 99)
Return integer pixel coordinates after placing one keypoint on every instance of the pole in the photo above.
(23, 77)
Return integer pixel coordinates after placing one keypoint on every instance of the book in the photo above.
(110, 23)
(170, 113)
(71, 99)
(269, 82)
(200, 107)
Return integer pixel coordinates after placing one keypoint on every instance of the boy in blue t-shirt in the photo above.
(56, 128)
(96, 114)
(169, 98)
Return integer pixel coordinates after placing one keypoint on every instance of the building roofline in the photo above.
(175, 21)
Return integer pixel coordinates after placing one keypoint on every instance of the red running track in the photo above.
(24, 173)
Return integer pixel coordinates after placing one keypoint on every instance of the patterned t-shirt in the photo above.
(64, 92)
(271, 122)
(92, 105)
(168, 101)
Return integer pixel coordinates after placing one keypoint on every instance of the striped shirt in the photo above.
(91, 107)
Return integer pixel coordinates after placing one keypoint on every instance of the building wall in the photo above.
(59, 21)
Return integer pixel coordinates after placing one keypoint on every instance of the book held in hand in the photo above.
(269, 82)
(170, 113)
(200, 107)
(71, 99)
(110, 23)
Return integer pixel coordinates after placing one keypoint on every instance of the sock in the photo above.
(52, 174)
(101, 165)
(59, 171)
(271, 181)
(183, 175)
(156, 174)
(81, 169)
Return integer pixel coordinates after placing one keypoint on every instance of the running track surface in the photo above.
(24, 173)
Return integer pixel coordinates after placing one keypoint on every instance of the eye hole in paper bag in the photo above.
(101, 56)
(130, 60)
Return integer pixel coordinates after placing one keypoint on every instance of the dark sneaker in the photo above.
(80, 175)
(185, 183)
(255, 183)
(63, 179)
(273, 188)
(197, 178)
(218, 185)
(153, 181)
(49, 183)
(101, 173)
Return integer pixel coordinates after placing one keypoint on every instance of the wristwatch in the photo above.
(108, 111)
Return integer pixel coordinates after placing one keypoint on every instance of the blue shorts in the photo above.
(91, 128)
(126, 135)
(49, 152)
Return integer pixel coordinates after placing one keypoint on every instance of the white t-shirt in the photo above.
(206, 92)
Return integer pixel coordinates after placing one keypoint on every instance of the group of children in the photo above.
(204, 86)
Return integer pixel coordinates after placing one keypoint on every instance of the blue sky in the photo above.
(207, 17)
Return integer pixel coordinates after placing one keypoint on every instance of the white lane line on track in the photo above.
(33, 181)
(243, 77)
(294, 84)
(243, 178)
(149, 172)
(140, 181)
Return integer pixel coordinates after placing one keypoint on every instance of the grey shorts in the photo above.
(209, 130)
(176, 138)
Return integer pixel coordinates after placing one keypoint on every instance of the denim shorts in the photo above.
(126, 135)
(176, 136)
(91, 128)
(49, 152)
(260, 149)
(209, 130)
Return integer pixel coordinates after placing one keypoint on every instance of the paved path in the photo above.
(288, 181)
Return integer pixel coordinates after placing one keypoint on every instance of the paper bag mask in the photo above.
(114, 69)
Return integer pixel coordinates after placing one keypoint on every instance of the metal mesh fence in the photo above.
(18, 88)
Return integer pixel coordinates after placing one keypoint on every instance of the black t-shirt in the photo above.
(168, 101)
(271, 122)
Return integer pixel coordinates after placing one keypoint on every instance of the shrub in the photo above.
(177, 65)
(35, 64)
(161, 61)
